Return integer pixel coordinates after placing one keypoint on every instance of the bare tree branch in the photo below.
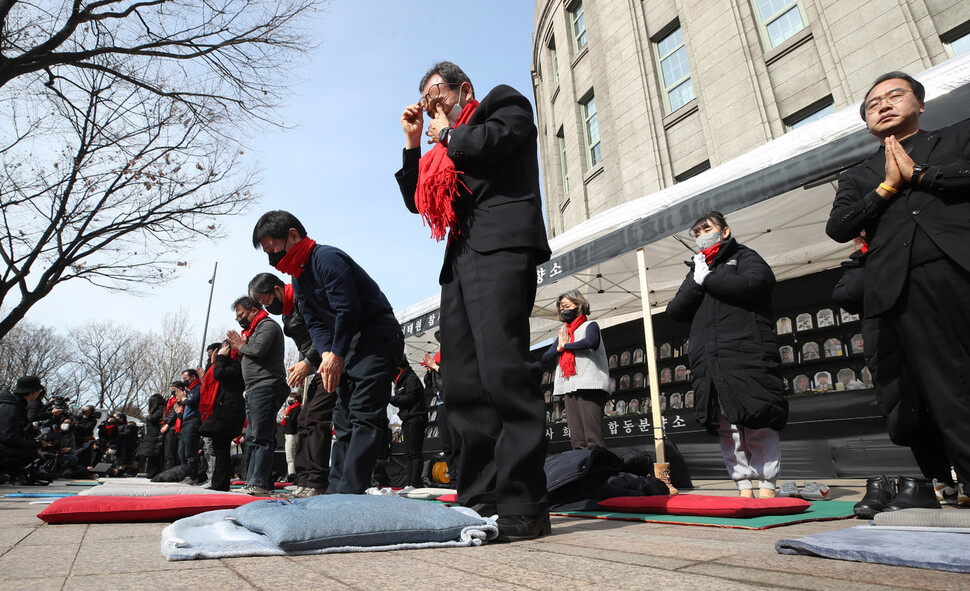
(121, 130)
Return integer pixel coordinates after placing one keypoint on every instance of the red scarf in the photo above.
(210, 387)
(292, 263)
(249, 331)
(567, 359)
(287, 413)
(168, 408)
(438, 184)
(288, 298)
(711, 253)
(437, 360)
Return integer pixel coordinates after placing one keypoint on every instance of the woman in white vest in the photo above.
(582, 373)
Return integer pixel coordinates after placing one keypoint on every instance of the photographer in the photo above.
(85, 423)
(17, 451)
(45, 412)
(67, 463)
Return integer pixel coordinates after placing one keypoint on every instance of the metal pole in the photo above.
(205, 331)
(658, 431)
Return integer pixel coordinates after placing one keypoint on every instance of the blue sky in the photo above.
(335, 170)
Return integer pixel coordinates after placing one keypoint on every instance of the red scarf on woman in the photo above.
(292, 263)
(711, 252)
(288, 298)
(438, 184)
(567, 359)
(207, 398)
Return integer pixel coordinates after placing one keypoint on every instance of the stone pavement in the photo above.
(580, 554)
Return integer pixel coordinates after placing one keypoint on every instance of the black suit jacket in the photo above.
(939, 205)
(496, 152)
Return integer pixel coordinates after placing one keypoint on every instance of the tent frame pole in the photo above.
(661, 468)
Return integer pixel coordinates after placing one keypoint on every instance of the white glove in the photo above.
(701, 270)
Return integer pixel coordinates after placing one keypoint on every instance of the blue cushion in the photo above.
(329, 521)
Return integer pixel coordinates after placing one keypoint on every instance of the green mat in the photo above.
(819, 511)
(83, 483)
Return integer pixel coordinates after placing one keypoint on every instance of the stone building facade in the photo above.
(633, 96)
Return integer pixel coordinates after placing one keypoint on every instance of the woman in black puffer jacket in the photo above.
(228, 415)
(150, 448)
(734, 361)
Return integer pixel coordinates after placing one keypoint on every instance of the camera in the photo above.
(58, 402)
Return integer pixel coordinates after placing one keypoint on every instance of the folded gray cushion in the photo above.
(328, 521)
(954, 518)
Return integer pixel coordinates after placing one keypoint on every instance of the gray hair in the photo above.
(576, 298)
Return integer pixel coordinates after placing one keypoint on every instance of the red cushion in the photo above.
(128, 509)
(452, 498)
(705, 505)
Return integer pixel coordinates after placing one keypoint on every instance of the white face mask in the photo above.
(455, 112)
(65, 426)
(705, 241)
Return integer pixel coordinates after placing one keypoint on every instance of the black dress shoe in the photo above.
(516, 528)
(913, 493)
(879, 492)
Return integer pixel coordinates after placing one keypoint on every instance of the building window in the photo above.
(692, 171)
(555, 60)
(958, 44)
(592, 127)
(812, 112)
(779, 19)
(561, 138)
(579, 26)
(675, 69)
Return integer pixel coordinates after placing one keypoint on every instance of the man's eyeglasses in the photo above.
(434, 93)
(892, 97)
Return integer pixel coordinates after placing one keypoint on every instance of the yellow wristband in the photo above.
(888, 188)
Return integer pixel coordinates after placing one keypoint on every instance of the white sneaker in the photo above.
(303, 492)
(962, 499)
(788, 489)
(946, 494)
(815, 491)
(256, 491)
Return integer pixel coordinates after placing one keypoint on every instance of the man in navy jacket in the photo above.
(353, 328)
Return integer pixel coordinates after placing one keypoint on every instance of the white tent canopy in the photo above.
(776, 199)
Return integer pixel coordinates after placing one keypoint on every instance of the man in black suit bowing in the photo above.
(912, 198)
(479, 185)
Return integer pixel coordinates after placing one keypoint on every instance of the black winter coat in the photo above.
(408, 396)
(733, 353)
(153, 425)
(13, 421)
(229, 408)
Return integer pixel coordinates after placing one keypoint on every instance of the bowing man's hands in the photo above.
(331, 368)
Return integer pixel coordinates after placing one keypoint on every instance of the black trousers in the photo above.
(491, 381)
(931, 321)
(171, 447)
(314, 436)
(360, 412)
(222, 470)
(413, 431)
